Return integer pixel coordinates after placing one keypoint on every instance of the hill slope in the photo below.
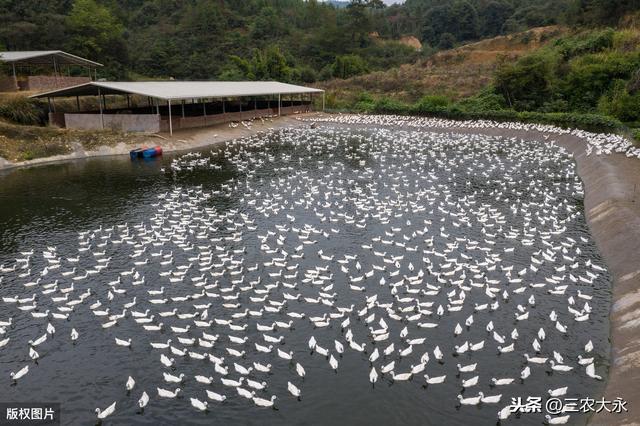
(456, 73)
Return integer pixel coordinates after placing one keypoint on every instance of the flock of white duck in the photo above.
(464, 257)
(597, 143)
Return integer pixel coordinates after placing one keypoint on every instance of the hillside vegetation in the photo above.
(569, 62)
(287, 40)
(455, 73)
(585, 78)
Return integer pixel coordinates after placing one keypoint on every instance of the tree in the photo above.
(359, 20)
(460, 19)
(600, 12)
(493, 16)
(447, 41)
(527, 84)
(267, 64)
(96, 34)
(346, 66)
(268, 24)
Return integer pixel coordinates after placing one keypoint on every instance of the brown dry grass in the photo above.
(456, 73)
(20, 143)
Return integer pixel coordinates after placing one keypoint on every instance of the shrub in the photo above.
(487, 100)
(365, 103)
(431, 103)
(592, 75)
(447, 41)
(22, 110)
(305, 74)
(626, 40)
(555, 105)
(390, 106)
(619, 103)
(584, 43)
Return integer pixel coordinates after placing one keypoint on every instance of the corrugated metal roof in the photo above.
(45, 57)
(178, 90)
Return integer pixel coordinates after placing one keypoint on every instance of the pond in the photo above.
(401, 246)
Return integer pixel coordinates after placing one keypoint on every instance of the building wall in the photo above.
(49, 82)
(118, 122)
(57, 119)
(153, 123)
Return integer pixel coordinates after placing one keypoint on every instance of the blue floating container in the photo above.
(152, 152)
(136, 153)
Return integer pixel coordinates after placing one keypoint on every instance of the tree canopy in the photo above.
(295, 40)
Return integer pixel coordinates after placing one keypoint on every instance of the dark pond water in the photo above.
(424, 221)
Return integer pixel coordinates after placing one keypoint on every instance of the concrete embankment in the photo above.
(612, 207)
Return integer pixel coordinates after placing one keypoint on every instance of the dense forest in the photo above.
(289, 40)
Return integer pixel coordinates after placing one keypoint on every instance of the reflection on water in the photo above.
(423, 221)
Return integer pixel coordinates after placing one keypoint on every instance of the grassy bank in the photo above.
(23, 142)
(25, 136)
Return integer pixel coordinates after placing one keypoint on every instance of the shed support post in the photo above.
(78, 102)
(170, 123)
(101, 115)
(15, 78)
(157, 107)
(224, 108)
(183, 108)
(128, 101)
(204, 108)
(279, 104)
